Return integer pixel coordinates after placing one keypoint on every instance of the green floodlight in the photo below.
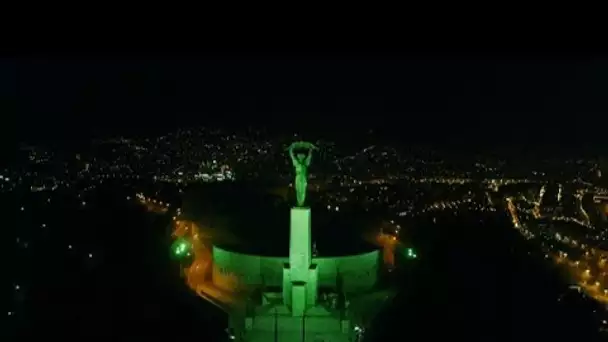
(181, 248)
(410, 254)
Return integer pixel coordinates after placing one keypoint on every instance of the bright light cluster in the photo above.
(581, 257)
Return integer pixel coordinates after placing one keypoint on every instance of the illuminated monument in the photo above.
(299, 297)
(300, 285)
(293, 315)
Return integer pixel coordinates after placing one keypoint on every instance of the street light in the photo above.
(230, 334)
(411, 254)
(359, 333)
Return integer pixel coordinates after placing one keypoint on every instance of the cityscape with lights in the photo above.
(354, 199)
(393, 203)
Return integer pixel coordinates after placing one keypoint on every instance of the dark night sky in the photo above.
(463, 99)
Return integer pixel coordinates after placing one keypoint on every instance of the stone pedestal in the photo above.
(299, 243)
(298, 299)
(297, 317)
(300, 270)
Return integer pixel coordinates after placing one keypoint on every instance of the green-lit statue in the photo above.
(301, 162)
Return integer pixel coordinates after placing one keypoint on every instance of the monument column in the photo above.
(299, 243)
(298, 291)
(298, 318)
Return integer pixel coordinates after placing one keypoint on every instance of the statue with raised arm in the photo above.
(301, 162)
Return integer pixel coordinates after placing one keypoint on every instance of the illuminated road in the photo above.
(153, 205)
(198, 274)
(579, 203)
(589, 271)
(388, 242)
(513, 213)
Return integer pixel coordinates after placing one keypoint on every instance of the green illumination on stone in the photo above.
(301, 162)
(181, 248)
(410, 254)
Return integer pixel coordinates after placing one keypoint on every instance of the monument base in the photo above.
(311, 285)
(277, 323)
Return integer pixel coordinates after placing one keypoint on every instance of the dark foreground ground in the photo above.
(474, 279)
(128, 289)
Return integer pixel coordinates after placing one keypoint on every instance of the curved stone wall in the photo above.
(232, 270)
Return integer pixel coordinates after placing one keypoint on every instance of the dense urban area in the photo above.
(62, 206)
